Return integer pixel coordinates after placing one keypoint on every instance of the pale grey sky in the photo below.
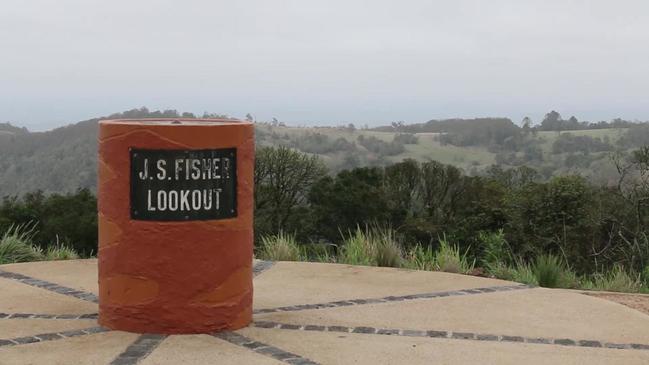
(324, 62)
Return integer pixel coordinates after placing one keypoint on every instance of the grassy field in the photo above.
(467, 158)
(427, 147)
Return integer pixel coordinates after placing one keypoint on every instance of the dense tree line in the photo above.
(593, 227)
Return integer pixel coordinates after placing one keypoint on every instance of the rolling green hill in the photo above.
(64, 159)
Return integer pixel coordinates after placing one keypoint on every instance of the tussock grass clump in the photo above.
(524, 273)
(357, 249)
(16, 246)
(449, 259)
(280, 247)
(321, 252)
(373, 246)
(552, 272)
(388, 250)
(420, 258)
(60, 251)
(617, 280)
(548, 270)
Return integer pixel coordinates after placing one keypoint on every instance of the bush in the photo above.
(449, 259)
(280, 247)
(16, 246)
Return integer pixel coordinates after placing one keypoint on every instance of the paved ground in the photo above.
(329, 314)
(636, 301)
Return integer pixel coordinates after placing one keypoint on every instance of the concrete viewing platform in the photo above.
(309, 313)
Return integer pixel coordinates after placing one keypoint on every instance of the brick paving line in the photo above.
(262, 266)
(393, 299)
(43, 337)
(264, 349)
(259, 268)
(452, 335)
(56, 288)
(47, 316)
(142, 347)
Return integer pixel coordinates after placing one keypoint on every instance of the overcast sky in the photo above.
(324, 62)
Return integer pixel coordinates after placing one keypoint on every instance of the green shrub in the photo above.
(420, 258)
(16, 246)
(280, 247)
(617, 279)
(449, 259)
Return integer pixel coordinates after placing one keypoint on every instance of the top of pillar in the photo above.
(176, 121)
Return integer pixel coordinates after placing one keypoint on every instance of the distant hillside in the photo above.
(8, 131)
(60, 160)
(64, 159)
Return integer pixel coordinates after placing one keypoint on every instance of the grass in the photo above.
(280, 247)
(428, 147)
(420, 258)
(552, 272)
(16, 245)
(617, 280)
(524, 273)
(382, 246)
(60, 251)
(372, 246)
(449, 259)
(357, 249)
(496, 252)
(388, 251)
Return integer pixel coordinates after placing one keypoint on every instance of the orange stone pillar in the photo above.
(175, 201)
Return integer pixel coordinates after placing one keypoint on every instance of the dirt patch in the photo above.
(637, 302)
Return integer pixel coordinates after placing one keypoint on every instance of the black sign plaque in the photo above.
(183, 185)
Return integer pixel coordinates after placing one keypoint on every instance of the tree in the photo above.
(351, 198)
(551, 122)
(527, 125)
(283, 178)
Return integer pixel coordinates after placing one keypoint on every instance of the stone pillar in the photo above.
(175, 202)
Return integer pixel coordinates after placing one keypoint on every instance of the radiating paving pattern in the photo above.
(138, 350)
(50, 286)
(330, 314)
